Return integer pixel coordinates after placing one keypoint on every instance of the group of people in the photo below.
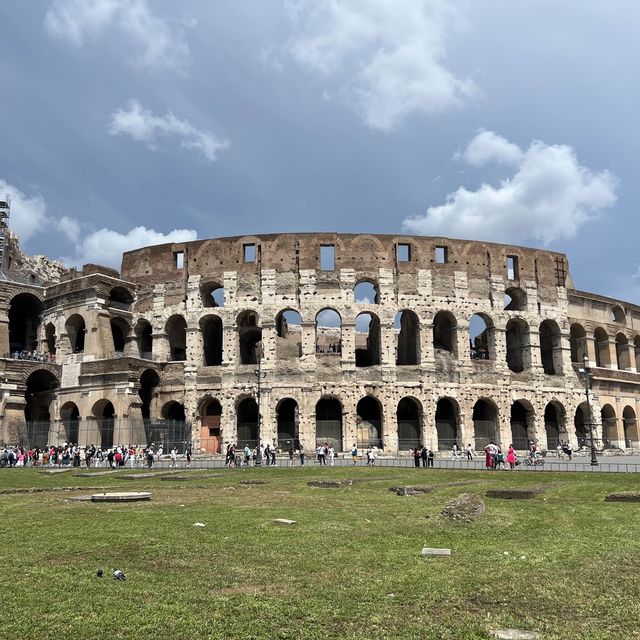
(424, 455)
(36, 356)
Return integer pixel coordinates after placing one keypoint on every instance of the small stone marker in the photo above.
(94, 474)
(55, 470)
(283, 521)
(123, 496)
(199, 524)
(444, 553)
(513, 634)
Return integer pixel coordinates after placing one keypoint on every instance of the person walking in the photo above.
(424, 456)
(469, 452)
(354, 454)
(430, 457)
(417, 456)
(332, 455)
(511, 457)
(301, 450)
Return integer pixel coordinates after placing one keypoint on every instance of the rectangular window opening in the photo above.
(327, 257)
(403, 252)
(512, 267)
(178, 259)
(442, 255)
(249, 252)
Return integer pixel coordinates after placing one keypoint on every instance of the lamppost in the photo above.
(259, 377)
(588, 376)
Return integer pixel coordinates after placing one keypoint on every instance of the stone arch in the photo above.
(50, 339)
(120, 298)
(70, 419)
(367, 340)
(601, 339)
(555, 424)
(609, 426)
(176, 331)
(485, 423)
(247, 423)
(105, 415)
(329, 422)
(636, 352)
(482, 337)
(582, 424)
(551, 347)
(212, 294)
(409, 416)
(448, 423)
(328, 331)
(515, 299)
(407, 327)
(212, 340)
(522, 424)
(25, 310)
(369, 422)
(119, 331)
(518, 345)
(249, 337)
(630, 425)
(144, 339)
(39, 396)
(578, 341)
(287, 420)
(289, 334)
(618, 314)
(149, 381)
(623, 357)
(444, 332)
(210, 410)
(76, 329)
(366, 292)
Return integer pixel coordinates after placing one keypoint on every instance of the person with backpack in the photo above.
(354, 454)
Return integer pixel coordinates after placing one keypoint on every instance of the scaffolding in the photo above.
(5, 206)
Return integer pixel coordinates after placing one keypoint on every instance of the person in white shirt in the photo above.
(332, 454)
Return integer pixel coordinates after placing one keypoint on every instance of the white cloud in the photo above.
(159, 43)
(550, 196)
(387, 56)
(143, 126)
(28, 213)
(70, 227)
(106, 246)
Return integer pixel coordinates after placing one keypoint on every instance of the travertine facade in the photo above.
(175, 338)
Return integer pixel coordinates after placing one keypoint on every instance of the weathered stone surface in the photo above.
(330, 484)
(253, 482)
(284, 521)
(94, 474)
(122, 496)
(515, 494)
(514, 634)
(627, 496)
(442, 553)
(467, 507)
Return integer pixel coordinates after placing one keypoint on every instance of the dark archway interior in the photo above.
(408, 339)
(120, 298)
(212, 341)
(519, 437)
(552, 426)
(443, 332)
(247, 416)
(549, 346)
(287, 422)
(106, 422)
(329, 422)
(118, 335)
(144, 333)
(250, 334)
(149, 380)
(70, 416)
(369, 422)
(174, 411)
(485, 423)
(446, 424)
(409, 431)
(24, 320)
(76, 330)
(39, 394)
(50, 336)
(367, 340)
(177, 335)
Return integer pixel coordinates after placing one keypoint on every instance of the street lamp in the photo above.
(588, 376)
(259, 377)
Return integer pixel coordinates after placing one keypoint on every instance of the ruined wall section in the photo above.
(23, 268)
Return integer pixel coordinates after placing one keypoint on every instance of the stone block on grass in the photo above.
(467, 507)
(442, 553)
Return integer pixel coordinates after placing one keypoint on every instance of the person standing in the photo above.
(301, 455)
(320, 452)
(511, 457)
(416, 457)
(424, 456)
(354, 454)
(569, 450)
(187, 455)
(332, 455)
(469, 452)
(174, 457)
(430, 457)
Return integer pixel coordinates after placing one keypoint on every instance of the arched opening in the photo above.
(39, 395)
(444, 332)
(173, 431)
(618, 315)
(250, 337)
(120, 298)
(409, 415)
(24, 320)
(407, 327)
(149, 380)
(76, 331)
(601, 338)
(636, 352)
(173, 411)
(517, 337)
(104, 413)
(329, 422)
(211, 433)
(176, 330)
(119, 332)
(247, 423)
(365, 292)
(50, 337)
(578, 341)
(211, 328)
(328, 332)
(289, 329)
(582, 424)
(630, 423)
(287, 418)
(515, 299)
(367, 340)
(144, 338)
(550, 347)
(521, 425)
(623, 357)
(481, 337)
(447, 424)
(554, 418)
(485, 424)
(70, 419)
(212, 295)
(609, 426)
(369, 422)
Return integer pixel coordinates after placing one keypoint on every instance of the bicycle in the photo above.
(535, 462)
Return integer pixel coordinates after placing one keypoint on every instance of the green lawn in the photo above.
(564, 563)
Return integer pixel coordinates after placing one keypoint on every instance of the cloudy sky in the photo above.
(132, 122)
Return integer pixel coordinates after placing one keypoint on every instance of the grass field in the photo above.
(565, 563)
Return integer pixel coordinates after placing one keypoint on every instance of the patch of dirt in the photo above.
(330, 484)
(515, 494)
(627, 496)
(467, 507)
(416, 490)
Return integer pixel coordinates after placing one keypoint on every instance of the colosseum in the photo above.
(378, 340)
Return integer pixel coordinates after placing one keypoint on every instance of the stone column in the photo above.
(348, 333)
(161, 349)
(4, 334)
(230, 342)
(389, 426)
(195, 347)
(269, 336)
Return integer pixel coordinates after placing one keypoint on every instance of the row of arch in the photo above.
(627, 354)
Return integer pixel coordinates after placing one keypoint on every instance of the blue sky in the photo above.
(126, 123)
